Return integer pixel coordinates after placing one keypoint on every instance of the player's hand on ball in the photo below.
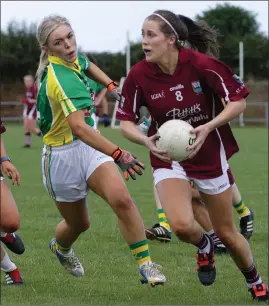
(150, 143)
(11, 172)
(128, 163)
(201, 133)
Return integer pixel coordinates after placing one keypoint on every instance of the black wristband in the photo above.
(4, 158)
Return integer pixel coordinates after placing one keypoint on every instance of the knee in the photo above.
(227, 236)
(183, 229)
(122, 203)
(82, 226)
(11, 226)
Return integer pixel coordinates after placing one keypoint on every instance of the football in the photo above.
(175, 137)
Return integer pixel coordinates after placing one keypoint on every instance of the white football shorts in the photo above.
(66, 169)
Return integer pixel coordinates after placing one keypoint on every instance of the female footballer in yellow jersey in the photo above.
(75, 157)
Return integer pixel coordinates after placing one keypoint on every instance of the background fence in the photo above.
(255, 114)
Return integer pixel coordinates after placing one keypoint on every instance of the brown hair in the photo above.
(198, 35)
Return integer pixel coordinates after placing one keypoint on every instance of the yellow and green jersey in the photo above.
(95, 89)
(64, 89)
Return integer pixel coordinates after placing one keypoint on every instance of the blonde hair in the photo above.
(46, 26)
(28, 76)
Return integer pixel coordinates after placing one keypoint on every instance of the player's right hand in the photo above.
(128, 163)
(150, 143)
(11, 172)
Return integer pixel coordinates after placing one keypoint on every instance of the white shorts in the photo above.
(66, 169)
(208, 186)
(29, 112)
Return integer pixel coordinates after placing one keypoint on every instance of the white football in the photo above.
(175, 137)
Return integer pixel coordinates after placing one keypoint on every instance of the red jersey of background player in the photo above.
(2, 127)
(30, 108)
(191, 94)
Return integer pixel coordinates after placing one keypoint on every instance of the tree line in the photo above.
(20, 51)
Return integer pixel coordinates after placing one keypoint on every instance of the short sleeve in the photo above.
(83, 62)
(131, 100)
(70, 106)
(70, 92)
(221, 79)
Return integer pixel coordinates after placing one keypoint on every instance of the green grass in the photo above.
(111, 274)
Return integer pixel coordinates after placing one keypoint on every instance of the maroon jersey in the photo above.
(30, 108)
(2, 127)
(31, 93)
(193, 94)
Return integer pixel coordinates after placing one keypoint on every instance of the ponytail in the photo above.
(43, 62)
(197, 35)
(200, 36)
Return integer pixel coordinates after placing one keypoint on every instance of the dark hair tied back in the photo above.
(196, 35)
(200, 36)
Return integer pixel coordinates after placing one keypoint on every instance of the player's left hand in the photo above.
(11, 172)
(114, 90)
(201, 133)
(128, 163)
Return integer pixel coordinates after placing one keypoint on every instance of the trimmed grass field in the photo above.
(111, 276)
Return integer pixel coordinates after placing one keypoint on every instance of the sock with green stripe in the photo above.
(241, 209)
(162, 219)
(140, 250)
(63, 250)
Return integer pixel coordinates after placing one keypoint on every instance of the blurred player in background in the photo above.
(10, 218)
(29, 110)
(98, 95)
(75, 157)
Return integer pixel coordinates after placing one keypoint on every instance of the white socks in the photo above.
(250, 285)
(207, 248)
(210, 233)
(7, 265)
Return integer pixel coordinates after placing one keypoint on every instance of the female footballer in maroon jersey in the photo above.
(177, 80)
(29, 111)
(10, 218)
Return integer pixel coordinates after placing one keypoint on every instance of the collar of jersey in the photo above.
(56, 60)
(183, 57)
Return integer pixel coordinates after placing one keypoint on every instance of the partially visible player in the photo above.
(161, 230)
(98, 95)
(10, 218)
(29, 110)
(13, 242)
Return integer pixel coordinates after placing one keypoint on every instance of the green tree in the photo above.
(19, 51)
(137, 53)
(236, 24)
(113, 64)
